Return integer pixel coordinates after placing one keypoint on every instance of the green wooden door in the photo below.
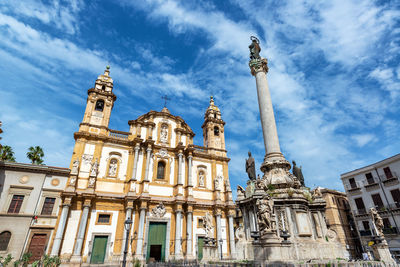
(200, 245)
(99, 249)
(156, 241)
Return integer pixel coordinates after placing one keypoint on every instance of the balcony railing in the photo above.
(118, 134)
(361, 212)
(390, 231)
(365, 233)
(352, 187)
(370, 182)
(394, 206)
(386, 179)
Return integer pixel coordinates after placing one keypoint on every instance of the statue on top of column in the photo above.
(254, 48)
(251, 167)
(377, 219)
(298, 173)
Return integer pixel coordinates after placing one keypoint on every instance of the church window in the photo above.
(99, 105)
(113, 168)
(161, 170)
(4, 240)
(216, 131)
(103, 218)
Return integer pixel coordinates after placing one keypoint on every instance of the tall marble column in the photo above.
(82, 228)
(61, 227)
(180, 180)
(135, 162)
(231, 236)
(190, 182)
(146, 174)
(178, 237)
(139, 244)
(219, 235)
(273, 160)
(189, 226)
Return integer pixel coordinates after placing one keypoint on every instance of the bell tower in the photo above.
(213, 127)
(100, 102)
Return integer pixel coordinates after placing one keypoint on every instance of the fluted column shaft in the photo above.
(271, 141)
(189, 233)
(60, 231)
(139, 244)
(231, 236)
(135, 162)
(180, 155)
(178, 232)
(81, 231)
(190, 182)
(146, 174)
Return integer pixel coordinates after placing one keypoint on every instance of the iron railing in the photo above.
(118, 134)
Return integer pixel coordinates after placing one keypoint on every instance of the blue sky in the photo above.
(334, 74)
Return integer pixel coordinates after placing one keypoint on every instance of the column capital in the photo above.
(231, 213)
(87, 202)
(258, 65)
(189, 209)
(67, 201)
(143, 205)
(137, 147)
(178, 207)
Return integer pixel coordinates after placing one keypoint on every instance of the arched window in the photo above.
(216, 131)
(99, 105)
(160, 170)
(103, 87)
(4, 240)
(113, 168)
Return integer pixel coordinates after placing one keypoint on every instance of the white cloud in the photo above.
(363, 139)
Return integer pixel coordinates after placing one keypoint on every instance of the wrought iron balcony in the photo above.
(370, 182)
(361, 212)
(390, 231)
(394, 177)
(365, 233)
(352, 187)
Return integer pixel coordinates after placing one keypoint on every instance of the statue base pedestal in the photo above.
(382, 253)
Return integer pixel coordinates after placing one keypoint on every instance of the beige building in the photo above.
(176, 193)
(30, 197)
(339, 219)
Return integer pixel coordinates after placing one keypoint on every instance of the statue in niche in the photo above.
(112, 170)
(158, 211)
(201, 178)
(94, 168)
(72, 181)
(298, 173)
(208, 225)
(227, 185)
(164, 133)
(264, 214)
(218, 182)
(92, 180)
(251, 167)
(377, 219)
(254, 48)
(75, 167)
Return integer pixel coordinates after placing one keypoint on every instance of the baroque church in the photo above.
(173, 193)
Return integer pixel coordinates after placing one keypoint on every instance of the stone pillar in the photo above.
(190, 182)
(139, 244)
(178, 237)
(146, 174)
(81, 229)
(271, 142)
(135, 162)
(180, 155)
(61, 227)
(189, 227)
(231, 236)
(252, 221)
(219, 235)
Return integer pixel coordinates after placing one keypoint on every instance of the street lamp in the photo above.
(127, 224)
(220, 244)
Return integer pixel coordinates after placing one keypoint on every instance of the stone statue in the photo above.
(298, 173)
(251, 167)
(208, 225)
(217, 182)
(227, 185)
(75, 167)
(92, 180)
(112, 170)
(240, 192)
(201, 178)
(377, 219)
(93, 170)
(254, 48)
(158, 211)
(317, 193)
(72, 181)
(164, 133)
(264, 214)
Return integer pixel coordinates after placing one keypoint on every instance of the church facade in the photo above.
(152, 176)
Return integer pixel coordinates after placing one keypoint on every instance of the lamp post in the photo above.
(127, 224)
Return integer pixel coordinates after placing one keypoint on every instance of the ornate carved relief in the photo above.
(75, 167)
(158, 211)
(208, 225)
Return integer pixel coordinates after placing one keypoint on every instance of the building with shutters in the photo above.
(152, 174)
(376, 185)
(30, 197)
